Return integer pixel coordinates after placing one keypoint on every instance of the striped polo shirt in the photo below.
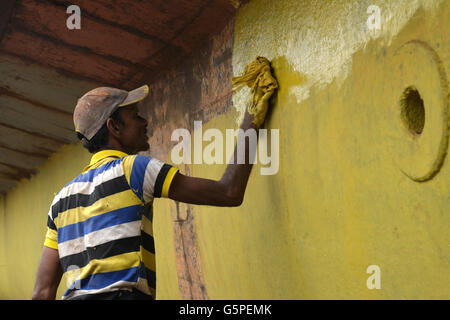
(101, 224)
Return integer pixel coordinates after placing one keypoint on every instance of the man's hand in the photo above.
(230, 189)
(259, 106)
(264, 86)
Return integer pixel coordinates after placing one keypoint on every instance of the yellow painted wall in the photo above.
(340, 201)
(23, 219)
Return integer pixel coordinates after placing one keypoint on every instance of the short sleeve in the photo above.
(51, 237)
(148, 177)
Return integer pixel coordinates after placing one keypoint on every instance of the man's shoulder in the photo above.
(91, 173)
(137, 160)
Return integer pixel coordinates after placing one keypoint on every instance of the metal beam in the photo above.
(36, 134)
(62, 113)
(82, 50)
(61, 71)
(25, 153)
(20, 171)
(114, 24)
(6, 10)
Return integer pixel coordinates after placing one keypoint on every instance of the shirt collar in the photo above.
(106, 154)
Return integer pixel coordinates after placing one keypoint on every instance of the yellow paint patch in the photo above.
(340, 202)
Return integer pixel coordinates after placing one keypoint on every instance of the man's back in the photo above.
(102, 224)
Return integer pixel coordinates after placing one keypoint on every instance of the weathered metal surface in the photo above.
(25, 116)
(207, 22)
(48, 52)
(109, 41)
(6, 9)
(197, 89)
(42, 85)
(45, 67)
(18, 160)
(27, 141)
(163, 19)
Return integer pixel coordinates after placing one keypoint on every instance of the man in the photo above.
(100, 224)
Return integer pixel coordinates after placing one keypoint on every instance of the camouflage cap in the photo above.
(96, 106)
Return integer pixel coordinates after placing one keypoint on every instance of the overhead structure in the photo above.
(45, 66)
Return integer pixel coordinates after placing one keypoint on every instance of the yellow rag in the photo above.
(236, 3)
(258, 77)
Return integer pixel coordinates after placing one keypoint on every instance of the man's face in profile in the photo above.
(134, 130)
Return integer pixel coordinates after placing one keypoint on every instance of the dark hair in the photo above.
(99, 141)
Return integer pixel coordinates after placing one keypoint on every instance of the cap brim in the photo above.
(135, 95)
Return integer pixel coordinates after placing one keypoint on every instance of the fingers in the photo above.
(267, 95)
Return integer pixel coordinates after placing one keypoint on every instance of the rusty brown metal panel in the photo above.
(6, 10)
(161, 18)
(164, 59)
(53, 54)
(216, 71)
(106, 40)
(210, 19)
(199, 88)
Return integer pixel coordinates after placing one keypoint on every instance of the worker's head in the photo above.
(108, 118)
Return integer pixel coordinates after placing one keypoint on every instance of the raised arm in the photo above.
(230, 189)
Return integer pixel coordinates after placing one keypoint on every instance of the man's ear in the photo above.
(113, 127)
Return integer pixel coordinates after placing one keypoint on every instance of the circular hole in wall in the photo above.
(412, 110)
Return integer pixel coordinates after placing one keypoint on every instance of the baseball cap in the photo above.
(96, 106)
